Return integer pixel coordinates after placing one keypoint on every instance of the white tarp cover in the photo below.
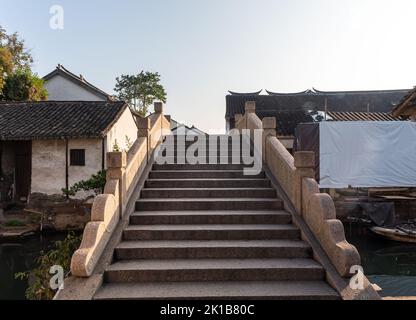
(367, 154)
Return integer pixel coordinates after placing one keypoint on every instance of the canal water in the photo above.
(20, 256)
(391, 265)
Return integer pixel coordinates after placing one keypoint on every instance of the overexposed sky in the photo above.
(204, 48)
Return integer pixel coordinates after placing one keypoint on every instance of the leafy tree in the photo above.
(17, 82)
(6, 66)
(140, 90)
(21, 57)
(23, 85)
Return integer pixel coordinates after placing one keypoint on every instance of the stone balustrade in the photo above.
(295, 174)
(123, 173)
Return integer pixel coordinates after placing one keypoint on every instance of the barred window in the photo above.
(77, 157)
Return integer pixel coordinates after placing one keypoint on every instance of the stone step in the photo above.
(177, 167)
(208, 183)
(206, 160)
(233, 290)
(208, 193)
(218, 139)
(185, 270)
(211, 232)
(208, 204)
(201, 174)
(229, 249)
(210, 217)
(207, 152)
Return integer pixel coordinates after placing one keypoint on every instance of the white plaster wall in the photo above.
(62, 89)
(48, 166)
(93, 159)
(48, 157)
(125, 126)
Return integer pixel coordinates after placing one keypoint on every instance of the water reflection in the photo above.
(391, 265)
(20, 257)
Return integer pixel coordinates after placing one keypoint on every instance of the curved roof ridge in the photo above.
(245, 94)
(308, 91)
(359, 91)
(60, 69)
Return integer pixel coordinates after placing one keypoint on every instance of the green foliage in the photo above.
(17, 82)
(95, 183)
(116, 147)
(129, 143)
(21, 57)
(6, 66)
(23, 85)
(140, 90)
(59, 256)
(14, 223)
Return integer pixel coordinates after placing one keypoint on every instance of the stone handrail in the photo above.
(124, 171)
(295, 175)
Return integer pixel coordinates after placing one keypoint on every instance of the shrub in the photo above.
(61, 255)
(14, 223)
(95, 183)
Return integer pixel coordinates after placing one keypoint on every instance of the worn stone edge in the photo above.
(340, 284)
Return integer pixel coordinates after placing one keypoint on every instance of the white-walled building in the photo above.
(63, 85)
(50, 145)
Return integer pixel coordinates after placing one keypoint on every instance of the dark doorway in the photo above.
(23, 153)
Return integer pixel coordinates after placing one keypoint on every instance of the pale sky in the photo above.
(204, 48)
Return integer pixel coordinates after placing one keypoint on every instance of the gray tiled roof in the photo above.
(406, 105)
(290, 109)
(58, 119)
(341, 101)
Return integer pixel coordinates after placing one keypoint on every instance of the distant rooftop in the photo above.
(407, 106)
(313, 99)
(291, 109)
(80, 80)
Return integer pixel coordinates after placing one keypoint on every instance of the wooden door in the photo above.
(23, 176)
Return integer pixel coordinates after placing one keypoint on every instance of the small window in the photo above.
(77, 157)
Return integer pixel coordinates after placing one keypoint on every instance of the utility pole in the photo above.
(326, 108)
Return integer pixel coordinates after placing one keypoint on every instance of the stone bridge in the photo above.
(186, 230)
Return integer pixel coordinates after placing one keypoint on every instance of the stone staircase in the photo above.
(207, 231)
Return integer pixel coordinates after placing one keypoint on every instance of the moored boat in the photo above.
(398, 233)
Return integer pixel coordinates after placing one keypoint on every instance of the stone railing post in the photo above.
(269, 130)
(305, 168)
(158, 107)
(116, 163)
(237, 124)
(159, 110)
(250, 107)
(143, 131)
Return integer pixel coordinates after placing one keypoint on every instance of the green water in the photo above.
(389, 264)
(20, 256)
